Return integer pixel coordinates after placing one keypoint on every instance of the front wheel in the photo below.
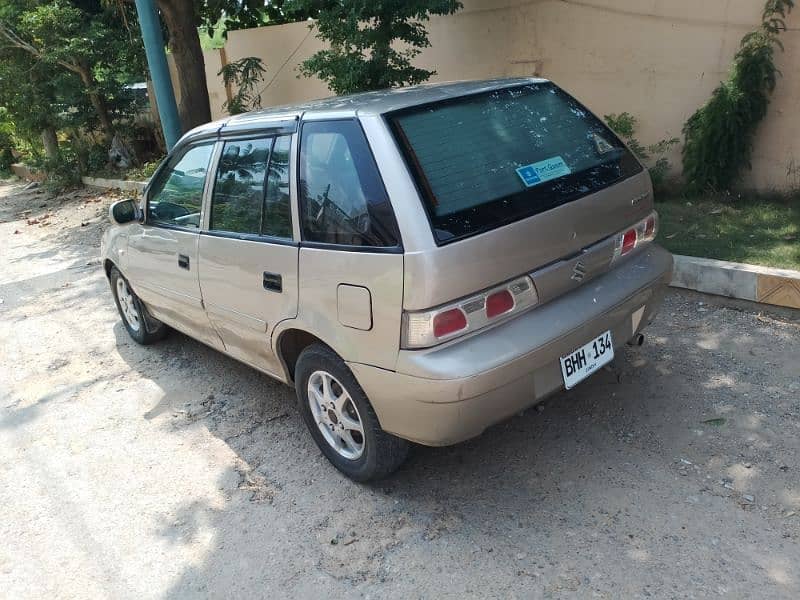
(143, 328)
(341, 419)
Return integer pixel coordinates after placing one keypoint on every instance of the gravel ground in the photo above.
(173, 471)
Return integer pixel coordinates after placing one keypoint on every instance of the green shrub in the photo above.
(144, 172)
(654, 155)
(719, 136)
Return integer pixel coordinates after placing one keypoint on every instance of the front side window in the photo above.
(485, 160)
(176, 195)
(342, 197)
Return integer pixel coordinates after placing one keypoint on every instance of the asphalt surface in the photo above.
(175, 472)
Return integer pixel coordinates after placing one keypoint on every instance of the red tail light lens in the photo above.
(499, 303)
(628, 241)
(427, 328)
(449, 322)
(640, 234)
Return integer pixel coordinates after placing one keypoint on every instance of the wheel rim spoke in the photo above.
(336, 415)
(127, 305)
(351, 424)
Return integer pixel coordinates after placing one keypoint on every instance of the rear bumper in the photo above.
(449, 394)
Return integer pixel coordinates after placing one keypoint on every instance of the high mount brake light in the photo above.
(428, 328)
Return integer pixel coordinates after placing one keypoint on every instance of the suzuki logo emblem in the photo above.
(578, 272)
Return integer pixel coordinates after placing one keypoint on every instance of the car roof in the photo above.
(363, 104)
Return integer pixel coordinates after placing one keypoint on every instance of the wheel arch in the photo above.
(290, 343)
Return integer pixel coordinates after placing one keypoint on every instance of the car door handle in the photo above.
(183, 261)
(273, 282)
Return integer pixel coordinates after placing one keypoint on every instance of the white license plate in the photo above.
(587, 359)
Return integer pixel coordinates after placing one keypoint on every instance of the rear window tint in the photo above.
(485, 160)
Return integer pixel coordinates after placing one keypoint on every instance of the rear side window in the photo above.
(177, 193)
(277, 209)
(485, 160)
(239, 187)
(342, 198)
(251, 188)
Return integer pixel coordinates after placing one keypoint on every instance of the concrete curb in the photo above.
(779, 287)
(122, 184)
(23, 171)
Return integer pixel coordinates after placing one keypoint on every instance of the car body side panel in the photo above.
(114, 246)
(171, 293)
(320, 274)
(239, 306)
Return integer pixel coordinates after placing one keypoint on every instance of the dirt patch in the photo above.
(173, 471)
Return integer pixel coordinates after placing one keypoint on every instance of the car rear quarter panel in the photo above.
(321, 272)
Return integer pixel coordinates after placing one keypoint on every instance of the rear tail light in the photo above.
(449, 322)
(429, 328)
(643, 232)
(499, 303)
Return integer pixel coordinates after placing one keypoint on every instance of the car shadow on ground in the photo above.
(597, 472)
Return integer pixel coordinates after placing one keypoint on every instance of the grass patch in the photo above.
(745, 230)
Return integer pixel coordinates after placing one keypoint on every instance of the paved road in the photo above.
(175, 472)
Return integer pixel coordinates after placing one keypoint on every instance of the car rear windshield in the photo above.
(485, 160)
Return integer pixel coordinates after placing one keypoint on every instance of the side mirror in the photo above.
(125, 211)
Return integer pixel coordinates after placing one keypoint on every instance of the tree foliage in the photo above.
(183, 18)
(371, 44)
(66, 58)
(245, 75)
(719, 136)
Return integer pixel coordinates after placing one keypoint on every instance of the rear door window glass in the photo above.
(277, 208)
(342, 197)
(488, 159)
(237, 202)
(176, 195)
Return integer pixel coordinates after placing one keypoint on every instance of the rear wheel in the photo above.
(143, 328)
(341, 419)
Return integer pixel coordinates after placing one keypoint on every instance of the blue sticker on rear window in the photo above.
(546, 170)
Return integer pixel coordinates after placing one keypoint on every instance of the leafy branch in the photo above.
(244, 74)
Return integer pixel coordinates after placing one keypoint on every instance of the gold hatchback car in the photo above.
(418, 263)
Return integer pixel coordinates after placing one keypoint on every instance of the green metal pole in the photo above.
(159, 71)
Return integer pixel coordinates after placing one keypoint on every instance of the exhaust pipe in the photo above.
(638, 340)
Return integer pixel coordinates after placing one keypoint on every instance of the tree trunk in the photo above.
(98, 102)
(184, 42)
(50, 143)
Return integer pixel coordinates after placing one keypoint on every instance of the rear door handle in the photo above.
(183, 261)
(273, 282)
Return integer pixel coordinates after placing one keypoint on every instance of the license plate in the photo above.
(587, 359)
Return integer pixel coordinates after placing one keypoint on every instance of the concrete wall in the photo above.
(657, 59)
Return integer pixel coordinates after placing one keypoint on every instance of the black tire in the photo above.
(149, 330)
(382, 452)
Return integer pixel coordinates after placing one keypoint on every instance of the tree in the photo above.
(80, 38)
(28, 93)
(182, 19)
(362, 37)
